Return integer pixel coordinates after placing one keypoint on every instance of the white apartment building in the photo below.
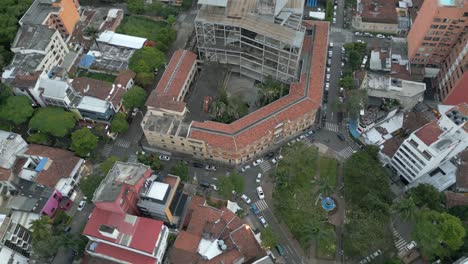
(432, 145)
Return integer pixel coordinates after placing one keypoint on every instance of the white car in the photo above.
(334, 20)
(331, 44)
(357, 33)
(81, 205)
(327, 86)
(263, 221)
(301, 137)
(380, 36)
(255, 163)
(214, 187)
(360, 41)
(246, 167)
(210, 168)
(260, 193)
(328, 69)
(164, 157)
(259, 178)
(246, 199)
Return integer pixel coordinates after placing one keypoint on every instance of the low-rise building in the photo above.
(430, 149)
(212, 235)
(376, 16)
(11, 145)
(15, 240)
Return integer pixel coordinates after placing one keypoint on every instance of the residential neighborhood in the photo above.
(234, 131)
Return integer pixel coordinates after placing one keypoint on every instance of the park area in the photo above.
(302, 177)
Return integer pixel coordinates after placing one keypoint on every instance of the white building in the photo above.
(428, 149)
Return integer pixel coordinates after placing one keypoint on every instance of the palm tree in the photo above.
(324, 187)
(93, 34)
(406, 208)
(218, 108)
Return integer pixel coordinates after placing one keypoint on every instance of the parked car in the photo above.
(81, 205)
(214, 187)
(328, 69)
(411, 245)
(334, 20)
(380, 36)
(210, 168)
(331, 44)
(260, 193)
(255, 209)
(246, 199)
(258, 161)
(280, 249)
(259, 178)
(164, 157)
(197, 165)
(245, 168)
(357, 33)
(341, 137)
(270, 155)
(67, 229)
(263, 221)
(275, 160)
(205, 184)
(310, 133)
(327, 86)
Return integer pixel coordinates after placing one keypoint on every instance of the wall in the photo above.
(373, 27)
(52, 204)
(68, 14)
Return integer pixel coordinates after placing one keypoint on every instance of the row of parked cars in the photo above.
(370, 35)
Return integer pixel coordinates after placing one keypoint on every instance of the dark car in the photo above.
(270, 155)
(198, 165)
(67, 229)
(255, 209)
(340, 136)
(280, 250)
(205, 184)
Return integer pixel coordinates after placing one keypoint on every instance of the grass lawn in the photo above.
(328, 169)
(326, 249)
(98, 76)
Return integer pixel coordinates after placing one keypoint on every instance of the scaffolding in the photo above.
(258, 38)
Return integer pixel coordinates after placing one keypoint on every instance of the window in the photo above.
(434, 26)
(437, 20)
(428, 38)
(435, 39)
(427, 155)
(446, 20)
(413, 143)
(442, 27)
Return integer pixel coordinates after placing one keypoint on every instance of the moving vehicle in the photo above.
(245, 168)
(260, 193)
(341, 137)
(214, 187)
(246, 199)
(259, 178)
(380, 36)
(81, 205)
(258, 161)
(164, 158)
(263, 221)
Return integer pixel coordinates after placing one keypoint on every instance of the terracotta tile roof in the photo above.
(379, 11)
(122, 254)
(25, 81)
(174, 77)
(167, 102)
(429, 133)
(4, 174)
(462, 171)
(144, 232)
(124, 77)
(300, 100)
(247, 243)
(455, 199)
(99, 89)
(62, 162)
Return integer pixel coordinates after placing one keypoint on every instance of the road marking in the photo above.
(346, 152)
(331, 127)
(132, 158)
(265, 166)
(261, 205)
(106, 150)
(122, 142)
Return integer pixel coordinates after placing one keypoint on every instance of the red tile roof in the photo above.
(4, 174)
(379, 11)
(124, 77)
(171, 84)
(456, 199)
(26, 81)
(304, 97)
(462, 171)
(62, 163)
(144, 232)
(429, 133)
(123, 254)
(99, 89)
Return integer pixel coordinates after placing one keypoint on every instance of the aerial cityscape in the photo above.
(234, 131)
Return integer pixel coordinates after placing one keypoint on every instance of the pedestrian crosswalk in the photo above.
(133, 158)
(123, 142)
(400, 242)
(346, 152)
(266, 166)
(261, 205)
(331, 127)
(106, 150)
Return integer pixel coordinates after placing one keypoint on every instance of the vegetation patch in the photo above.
(270, 90)
(97, 76)
(227, 109)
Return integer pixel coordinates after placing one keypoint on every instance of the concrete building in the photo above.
(452, 80)
(60, 15)
(376, 16)
(256, 38)
(408, 93)
(15, 240)
(428, 150)
(11, 145)
(435, 31)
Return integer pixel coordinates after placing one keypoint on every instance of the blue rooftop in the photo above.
(42, 164)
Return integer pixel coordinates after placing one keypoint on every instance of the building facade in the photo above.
(376, 16)
(432, 145)
(257, 39)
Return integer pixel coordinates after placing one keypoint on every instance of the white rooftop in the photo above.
(209, 248)
(220, 3)
(441, 181)
(121, 40)
(93, 104)
(53, 88)
(158, 190)
(373, 136)
(11, 145)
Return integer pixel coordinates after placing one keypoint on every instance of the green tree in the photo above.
(156, 165)
(146, 60)
(406, 208)
(171, 19)
(438, 234)
(355, 59)
(460, 211)
(324, 187)
(269, 237)
(136, 6)
(38, 138)
(356, 100)
(181, 170)
(5, 91)
(45, 245)
(83, 141)
(237, 182)
(119, 124)
(144, 79)
(52, 120)
(347, 82)
(135, 97)
(426, 195)
(225, 186)
(93, 34)
(107, 165)
(89, 184)
(17, 109)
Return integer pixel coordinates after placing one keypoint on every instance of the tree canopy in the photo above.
(107, 165)
(269, 237)
(228, 109)
(229, 183)
(89, 184)
(52, 120)
(83, 141)
(44, 243)
(438, 234)
(16, 109)
(426, 195)
(181, 170)
(146, 60)
(135, 97)
(119, 124)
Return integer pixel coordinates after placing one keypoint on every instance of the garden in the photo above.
(301, 178)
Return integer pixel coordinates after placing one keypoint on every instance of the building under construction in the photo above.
(257, 38)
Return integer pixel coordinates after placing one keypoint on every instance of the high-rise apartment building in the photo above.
(436, 31)
(257, 38)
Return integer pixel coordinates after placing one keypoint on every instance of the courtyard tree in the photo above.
(44, 243)
(89, 184)
(228, 109)
(181, 170)
(347, 82)
(5, 92)
(135, 97)
(426, 195)
(16, 109)
(146, 59)
(107, 165)
(93, 34)
(83, 141)
(270, 90)
(119, 124)
(406, 208)
(438, 234)
(171, 19)
(52, 120)
(237, 182)
(225, 186)
(136, 6)
(269, 237)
